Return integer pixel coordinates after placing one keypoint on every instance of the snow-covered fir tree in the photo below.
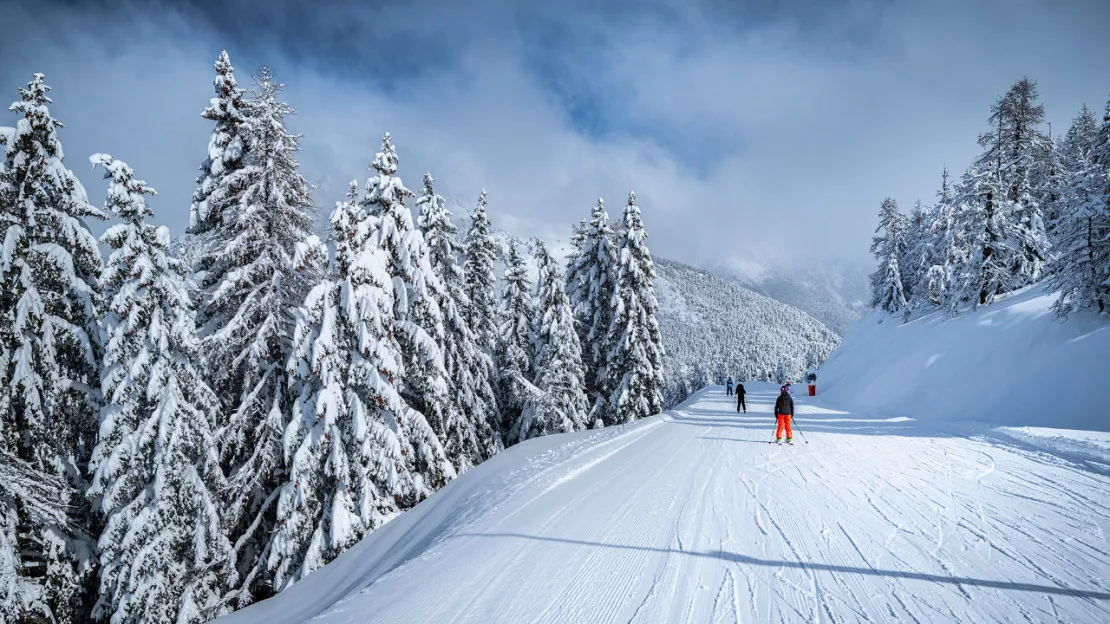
(591, 275)
(250, 297)
(356, 453)
(163, 553)
(889, 248)
(634, 363)
(479, 281)
(560, 405)
(919, 250)
(49, 365)
(1014, 149)
(515, 353)
(948, 252)
(988, 231)
(471, 431)
(418, 319)
(218, 185)
(890, 295)
(1082, 263)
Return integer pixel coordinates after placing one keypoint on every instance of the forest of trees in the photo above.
(190, 426)
(715, 327)
(1030, 209)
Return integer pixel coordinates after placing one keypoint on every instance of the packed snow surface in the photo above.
(692, 516)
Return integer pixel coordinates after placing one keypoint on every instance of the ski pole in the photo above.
(799, 430)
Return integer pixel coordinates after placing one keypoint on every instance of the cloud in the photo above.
(759, 131)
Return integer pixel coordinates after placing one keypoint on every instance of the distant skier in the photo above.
(728, 385)
(784, 413)
(740, 392)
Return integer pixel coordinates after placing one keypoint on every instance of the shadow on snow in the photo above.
(818, 567)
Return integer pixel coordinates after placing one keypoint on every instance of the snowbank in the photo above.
(539, 465)
(1011, 363)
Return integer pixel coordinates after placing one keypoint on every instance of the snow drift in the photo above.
(1011, 363)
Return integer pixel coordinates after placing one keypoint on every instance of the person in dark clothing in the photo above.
(728, 386)
(784, 413)
(740, 404)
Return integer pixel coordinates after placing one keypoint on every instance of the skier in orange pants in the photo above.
(784, 413)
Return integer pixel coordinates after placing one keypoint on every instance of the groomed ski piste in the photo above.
(692, 516)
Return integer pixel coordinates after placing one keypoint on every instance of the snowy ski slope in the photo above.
(692, 516)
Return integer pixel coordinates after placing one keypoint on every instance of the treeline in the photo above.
(1029, 209)
(186, 429)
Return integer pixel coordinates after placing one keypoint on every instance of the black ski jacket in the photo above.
(740, 391)
(785, 405)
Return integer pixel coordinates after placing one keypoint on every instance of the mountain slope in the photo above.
(834, 292)
(1010, 363)
(713, 327)
(692, 516)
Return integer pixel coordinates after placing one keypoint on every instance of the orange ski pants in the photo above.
(784, 421)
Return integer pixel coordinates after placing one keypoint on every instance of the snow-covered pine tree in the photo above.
(251, 295)
(989, 234)
(163, 553)
(948, 253)
(634, 364)
(1013, 150)
(561, 405)
(479, 281)
(49, 365)
(889, 248)
(1046, 180)
(780, 373)
(356, 453)
(472, 430)
(515, 352)
(1082, 265)
(591, 275)
(418, 319)
(919, 251)
(218, 185)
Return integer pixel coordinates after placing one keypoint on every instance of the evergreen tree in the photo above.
(478, 285)
(49, 364)
(561, 405)
(162, 550)
(634, 364)
(250, 299)
(989, 233)
(1046, 180)
(919, 251)
(356, 454)
(890, 295)
(472, 430)
(889, 249)
(515, 351)
(418, 318)
(591, 275)
(948, 252)
(218, 183)
(1014, 150)
(1082, 267)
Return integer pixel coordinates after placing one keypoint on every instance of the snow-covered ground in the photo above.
(1010, 363)
(692, 516)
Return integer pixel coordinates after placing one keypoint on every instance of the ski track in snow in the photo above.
(693, 517)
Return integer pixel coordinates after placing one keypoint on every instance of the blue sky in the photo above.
(753, 130)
